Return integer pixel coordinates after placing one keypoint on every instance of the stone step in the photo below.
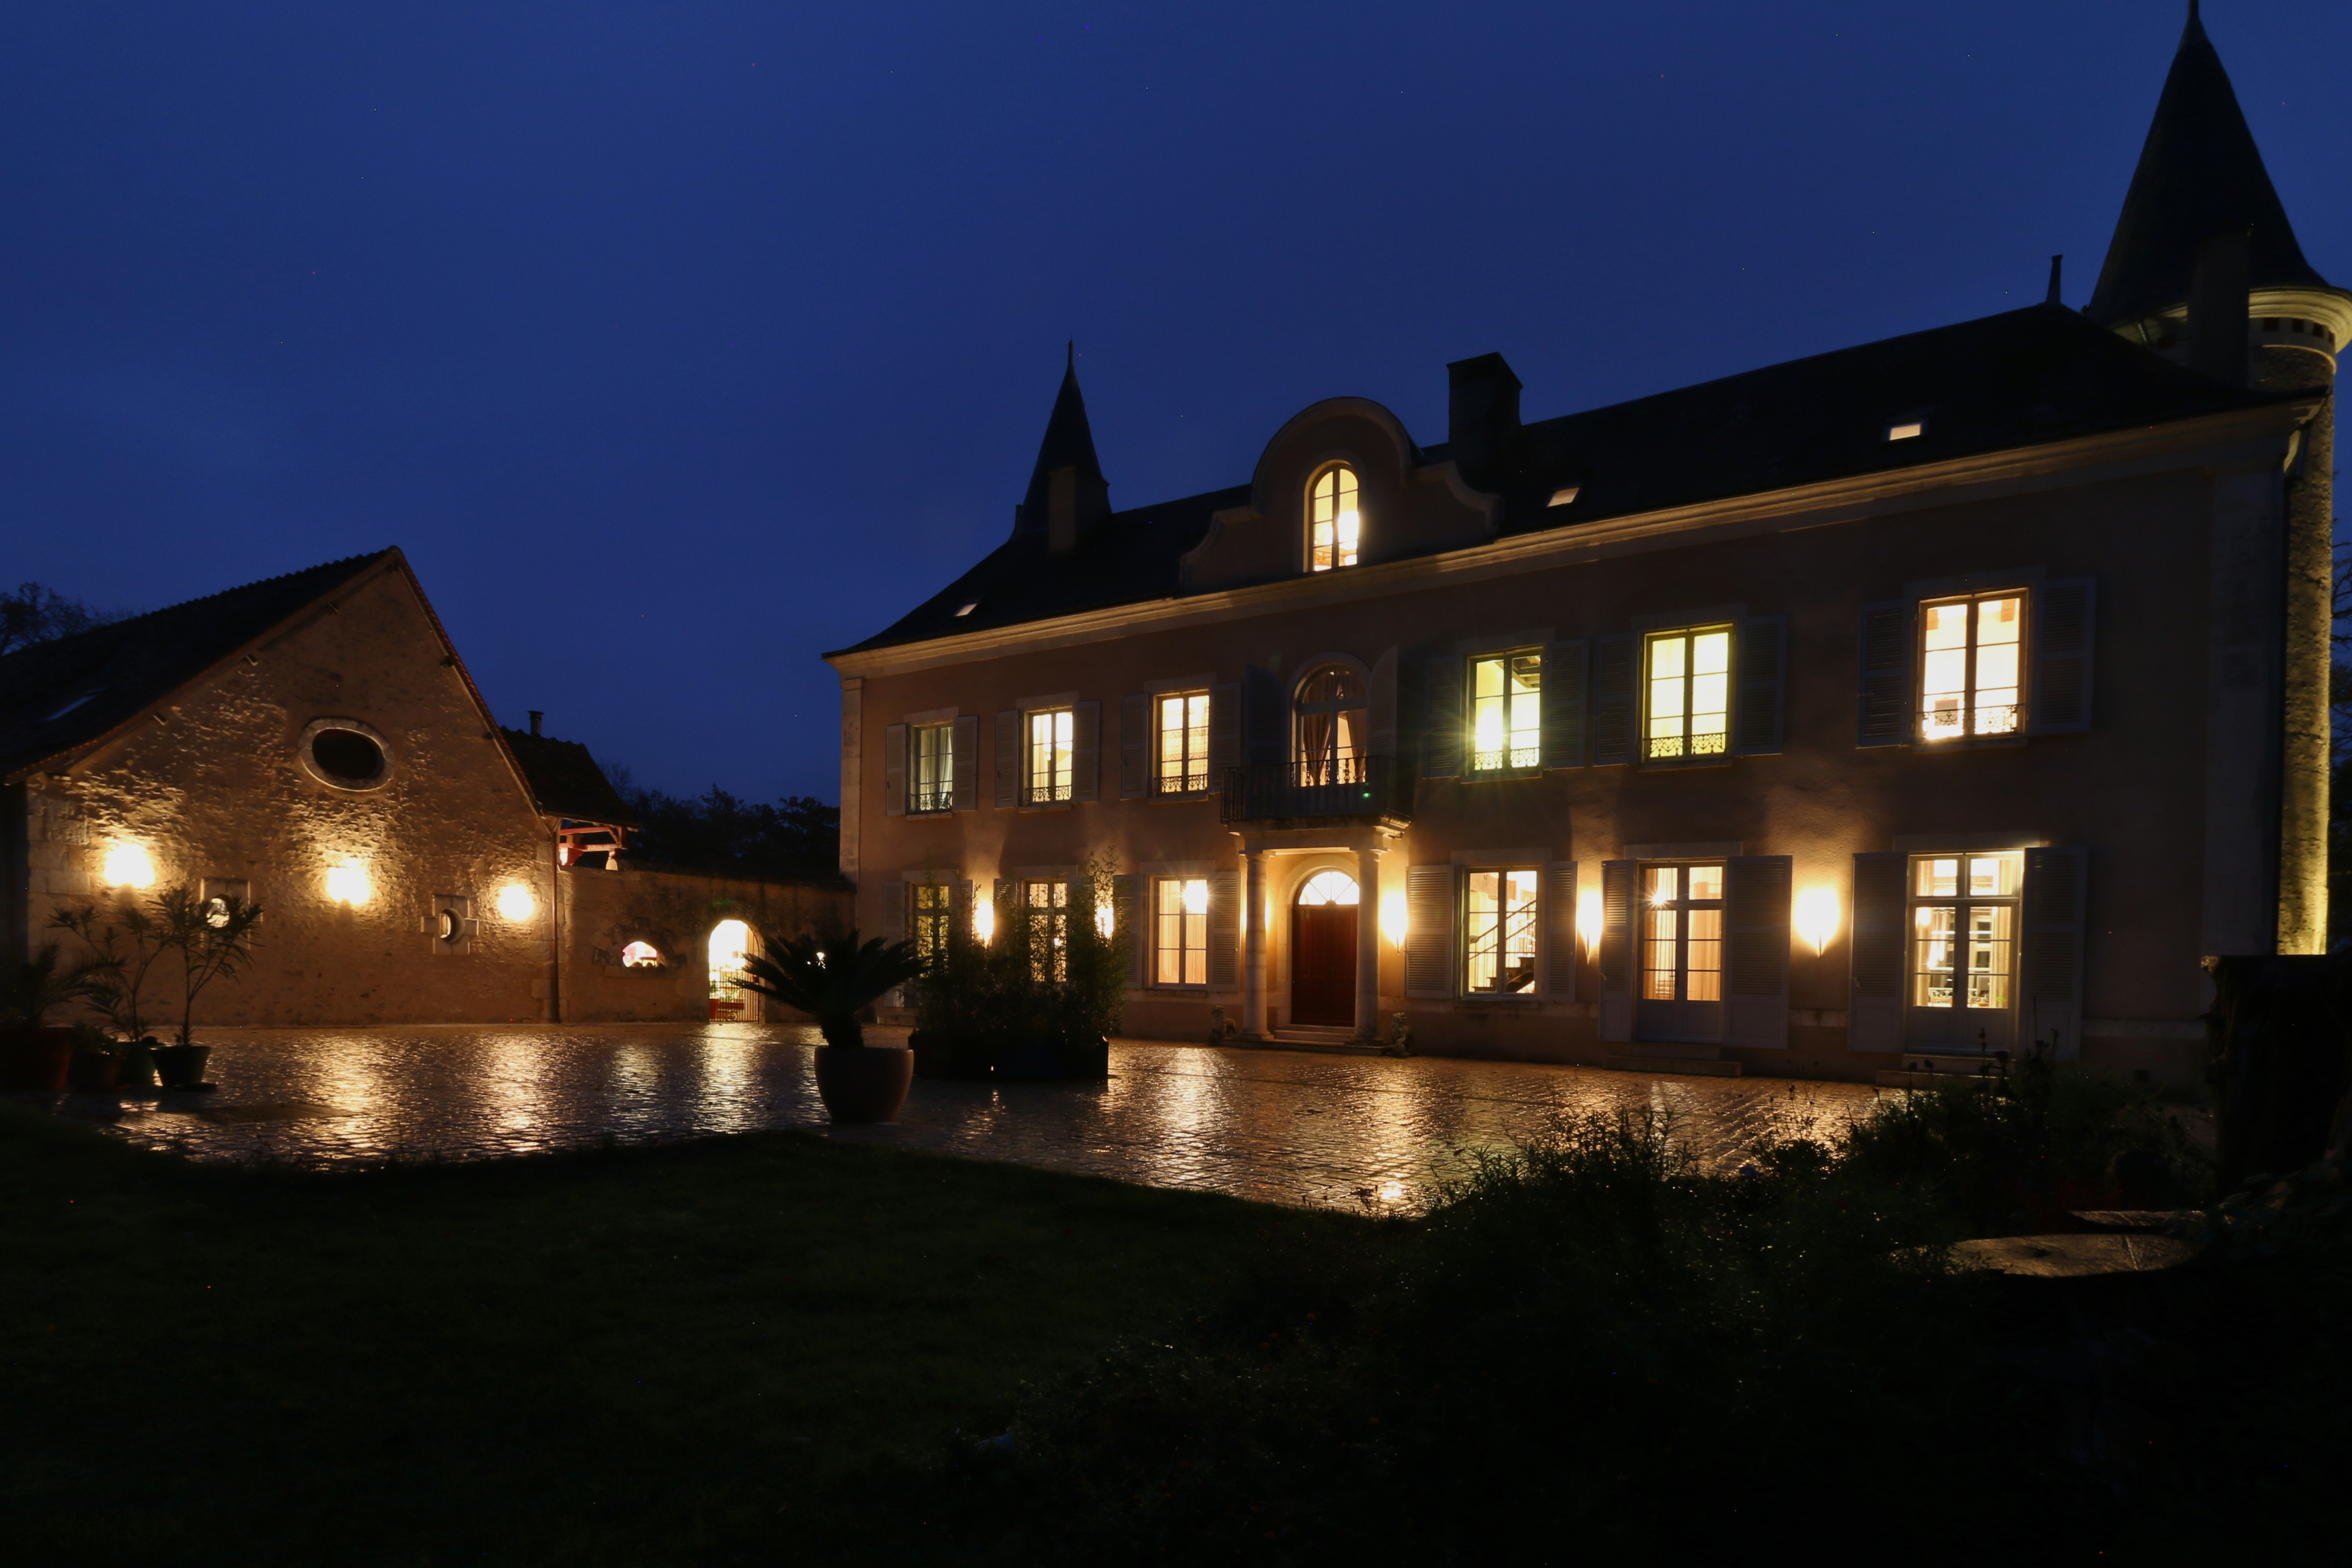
(1695, 1066)
(1331, 1042)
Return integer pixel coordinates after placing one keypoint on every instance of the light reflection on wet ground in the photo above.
(1275, 1126)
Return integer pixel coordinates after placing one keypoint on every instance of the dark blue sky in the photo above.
(679, 343)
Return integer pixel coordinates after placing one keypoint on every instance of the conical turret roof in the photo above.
(2199, 175)
(1069, 443)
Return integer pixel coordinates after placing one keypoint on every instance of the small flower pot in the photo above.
(94, 1072)
(36, 1057)
(864, 1083)
(181, 1067)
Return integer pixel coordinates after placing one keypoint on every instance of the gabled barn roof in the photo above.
(566, 782)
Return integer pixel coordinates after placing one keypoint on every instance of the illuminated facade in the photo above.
(1932, 697)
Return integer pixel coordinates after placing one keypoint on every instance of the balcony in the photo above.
(1354, 789)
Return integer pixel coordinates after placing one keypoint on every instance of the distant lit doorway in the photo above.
(730, 941)
(1323, 951)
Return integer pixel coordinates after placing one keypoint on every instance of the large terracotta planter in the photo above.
(95, 1072)
(864, 1083)
(36, 1055)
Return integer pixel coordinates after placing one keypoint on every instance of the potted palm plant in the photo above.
(834, 980)
(130, 940)
(213, 937)
(34, 1052)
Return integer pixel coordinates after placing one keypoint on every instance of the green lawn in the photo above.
(732, 1350)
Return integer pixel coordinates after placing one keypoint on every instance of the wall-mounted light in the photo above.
(348, 884)
(515, 902)
(1105, 920)
(1394, 925)
(1817, 916)
(984, 920)
(1196, 896)
(127, 865)
(1588, 918)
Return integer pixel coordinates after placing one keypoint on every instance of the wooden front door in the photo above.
(1323, 965)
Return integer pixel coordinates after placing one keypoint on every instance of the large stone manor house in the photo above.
(1947, 694)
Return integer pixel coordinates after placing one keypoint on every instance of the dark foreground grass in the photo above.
(748, 1349)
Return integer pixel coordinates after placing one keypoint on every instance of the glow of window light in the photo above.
(1393, 917)
(984, 920)
(348, 884)
(127, 865)
(1350, 523)
(1817, 916)
(516, 903)
(1105, 921)
(1196, 898)
(1588, 918)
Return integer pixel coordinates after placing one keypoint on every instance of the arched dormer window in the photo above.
(1334, 527)
(1334, 727)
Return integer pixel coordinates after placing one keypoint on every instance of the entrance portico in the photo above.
(1361, 844)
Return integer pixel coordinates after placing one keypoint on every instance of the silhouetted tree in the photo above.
(797, 835)
(34, 613)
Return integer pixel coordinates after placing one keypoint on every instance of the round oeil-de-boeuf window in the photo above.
(344, 752)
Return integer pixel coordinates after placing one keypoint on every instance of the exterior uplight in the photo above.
(1394, 924)
(348, 884)
(1817, 916)
(1105, 920)
(127, 865)
(515, 902)
(1588, 918)
(1196, 896)
(984, 920)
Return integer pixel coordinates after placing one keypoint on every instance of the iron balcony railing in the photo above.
(1363, 787)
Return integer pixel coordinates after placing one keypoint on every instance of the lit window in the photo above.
(1909, 429)
(1053, 754)
(931, 781)
(1334, 727)
(1330, 888)
(1182, 738)
(1334, 526)
(1506, 712)
(641, 956)
(1689, 712)
(1047, 905)
(933, 911)
(1180, 954)
(1682, 933)
(1963, 930)
(1968, 666)
(1499, 934)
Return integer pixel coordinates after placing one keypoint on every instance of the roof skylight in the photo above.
(69, 707)
(1563, 496)
(969, 608)
(1906, 430)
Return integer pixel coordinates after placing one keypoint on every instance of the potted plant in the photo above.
(214, 939)
(34, 1052)
(1039, 999)
(130, 940)
(833, 982)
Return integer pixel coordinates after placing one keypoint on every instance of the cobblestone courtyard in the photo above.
(1276, 1126)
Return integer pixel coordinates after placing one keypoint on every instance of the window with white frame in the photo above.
(1053, 757)
(1964, 931)
(1686, 710)
(1181, 738)
(1334, 526)
(1506, 712)
(930, 783)
(1179, 948)
(1970, 667)
(1498, 929)
(1682, 933)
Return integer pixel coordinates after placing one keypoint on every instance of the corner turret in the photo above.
(1068, 493)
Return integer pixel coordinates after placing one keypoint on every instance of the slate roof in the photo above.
(56, 697)
(2019, 379)
(565, 779)
(2199, 175)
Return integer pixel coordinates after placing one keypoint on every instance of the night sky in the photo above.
(676, 343)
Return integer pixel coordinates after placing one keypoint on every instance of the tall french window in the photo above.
(930, 783)
(1964, 931)
(1334, 526)
(1688, 713)
(1682, 933)
(1506, 713)
(1498, 955)
(1969, 666)
(1053, 755)
(1047, 906)
(1334, 727)
(1182, 737)
(1180, 930)
(934, 909)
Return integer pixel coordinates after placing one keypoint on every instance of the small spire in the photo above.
(1069, 443)
(2057, 266)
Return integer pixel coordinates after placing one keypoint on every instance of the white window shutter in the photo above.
(1559, 924)
(1009, 757)
(1429, 929)
(1441, 728)
(1617, 950)
(1616, 710)
(1757, 894)
(1134, 746)
(2050, 961)
(1762, 674)
(894, 771)
(1224, 931)
(1884, 702)
(1086, 747)
(1875, 999)
(966, 774)
(2064, 619)
(1565, 673)
(1225, 732)
(1129, 922)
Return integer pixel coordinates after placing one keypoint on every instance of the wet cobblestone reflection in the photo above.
(1275, 1126)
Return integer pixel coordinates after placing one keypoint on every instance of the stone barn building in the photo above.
(1945, 695)
(313, 743)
